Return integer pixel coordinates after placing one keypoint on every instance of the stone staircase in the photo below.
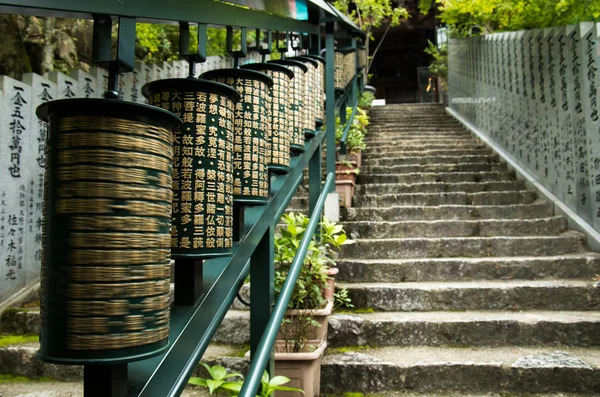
(464, 282)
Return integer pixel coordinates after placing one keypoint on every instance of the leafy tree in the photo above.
(488, 16)
(439, 66)
(370, 14)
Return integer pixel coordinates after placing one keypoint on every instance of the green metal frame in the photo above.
(193, 327)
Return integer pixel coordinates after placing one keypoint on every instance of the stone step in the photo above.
(585, 265)
(440, 159)
(411, 168)
(462, 369)
(425, 134)
(457, 228)
(401, 152)
(378, 146)
(539, 209)
(437, 247)
(447, 177)
(511, 295)
(419, 141)
(433, 187)
(442, 198)
(472, 328)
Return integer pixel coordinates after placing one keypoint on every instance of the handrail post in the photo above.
(330, 96)
(262, 274)
(314, 180)
(354, 92)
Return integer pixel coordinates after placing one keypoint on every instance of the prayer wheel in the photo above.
(280, 133)
(106, 231)
(297, 109)
(320, 90)
(310, 97)
(202, 164)
(251, 131)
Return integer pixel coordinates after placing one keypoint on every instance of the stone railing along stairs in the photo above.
(463, 280)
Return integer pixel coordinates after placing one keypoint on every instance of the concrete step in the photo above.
(444, 198)
(441, 159)
(410, 168)
(511, 295)
(447, 177)
(423, 133)
(431, 187)
(539, 209)
(585, 265)
(472, 328)
(443, 247)
(462, 369)
(375, 146)
(406, 152)
(457, 228)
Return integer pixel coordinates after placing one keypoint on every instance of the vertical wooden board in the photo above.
(157, 72)
(520, 101)
(42, 90)
(168, 72)
(181, 69)
(67, 86)
(101, 76)
(562, 154)
(122, 85)
(87, 84)
(15, 158)
(147, 72)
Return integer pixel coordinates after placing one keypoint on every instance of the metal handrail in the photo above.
(343, 148)
(263, 352)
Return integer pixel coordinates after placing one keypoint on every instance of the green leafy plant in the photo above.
(356, 133)
(219, 383)
(365, 100)
(439, 66)
(342, 300)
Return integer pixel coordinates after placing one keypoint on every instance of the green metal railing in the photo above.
(193, 327)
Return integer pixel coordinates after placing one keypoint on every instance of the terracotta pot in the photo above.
(328, 291)
(303, 369)
(321, 316)
(356, 157)
(345, 190)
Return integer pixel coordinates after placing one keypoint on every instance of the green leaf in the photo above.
(232, 386)
(197, 381)
(213, 385)
(219, 373)
(286, 388)
(278, 380)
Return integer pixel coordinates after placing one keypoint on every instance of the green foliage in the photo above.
(220, 383)
(369, 14)
(365, 100)
(9, 378)
(342, 300)
(157, 42)
(6, 340)
(439, 66)
(357, 131)
(509, 15)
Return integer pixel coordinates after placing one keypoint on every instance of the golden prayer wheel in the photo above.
(106, 231)
(202, 164)
(251, 129)
(279, 134)
(297, 109)
(320, 89)
(310, 95)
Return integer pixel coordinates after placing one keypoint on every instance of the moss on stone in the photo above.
(6, 340)
(9, 378)
(349, 349)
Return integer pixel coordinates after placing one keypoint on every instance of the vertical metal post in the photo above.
(105, 380)
(330, 96)
(354, 92)
(188, 281)
(262, 274)
(314, 180)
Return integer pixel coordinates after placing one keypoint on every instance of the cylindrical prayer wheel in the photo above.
(106, 231)
(297, 109)
(280, 133)
(202, 164)
(349, 65)
(320, 89)
(339, 76)
(362, 57)
(251, 131)
(310, 90)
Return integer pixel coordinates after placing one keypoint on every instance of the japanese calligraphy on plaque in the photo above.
(203, 154)
(280, 137)
(296, 108)
(251, 132)
(106, 231)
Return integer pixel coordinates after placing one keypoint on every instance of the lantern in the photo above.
(310, 91)
(280, 134)
(202, 169)
(296, 115)
(106, 231)
(320, 88)
(251, 130)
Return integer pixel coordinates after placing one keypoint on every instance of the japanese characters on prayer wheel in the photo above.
(251, 131)
(310, 91)
(280, 133)
(296, 114)
(106, 231)
(203, 153)
(320, 88)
